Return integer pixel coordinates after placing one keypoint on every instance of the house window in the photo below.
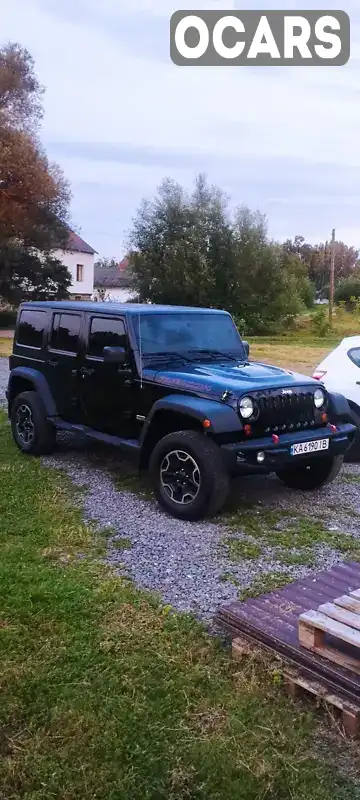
(65, 332)
(79, 273)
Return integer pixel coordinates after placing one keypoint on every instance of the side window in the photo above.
(105, 333)
(354, 355)
(31, 328)
(65, 332)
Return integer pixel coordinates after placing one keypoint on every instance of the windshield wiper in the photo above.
(169, 355)
(216, 353)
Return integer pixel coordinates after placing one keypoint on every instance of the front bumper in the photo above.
(242, 456)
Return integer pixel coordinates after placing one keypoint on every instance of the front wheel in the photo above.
(189, 476)
(312, 475)
(31, 430)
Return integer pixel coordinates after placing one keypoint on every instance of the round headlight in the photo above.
(319, 398)
(246, 407)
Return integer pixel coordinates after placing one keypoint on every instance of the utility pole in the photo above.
(332, 277)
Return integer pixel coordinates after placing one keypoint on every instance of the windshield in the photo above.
(188, 333)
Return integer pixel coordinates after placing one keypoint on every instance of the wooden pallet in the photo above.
(296, 684)
(340, 620)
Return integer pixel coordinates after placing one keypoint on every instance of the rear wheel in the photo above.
(312, 475)
(30, 428)
(189, 476)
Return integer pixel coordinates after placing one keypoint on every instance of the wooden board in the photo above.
(350, 713)
(340, 615)
(339, 619)
(298, 681)
(348, 602)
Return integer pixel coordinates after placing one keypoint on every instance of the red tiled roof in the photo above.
(77, 244)
(124, 264)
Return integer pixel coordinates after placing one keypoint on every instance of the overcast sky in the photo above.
(119, 116)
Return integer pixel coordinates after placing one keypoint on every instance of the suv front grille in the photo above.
(277, 412)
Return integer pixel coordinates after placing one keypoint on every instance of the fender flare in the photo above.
(339, 408)
(223, 417)
(39, 383)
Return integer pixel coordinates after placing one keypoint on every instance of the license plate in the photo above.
(310, 447)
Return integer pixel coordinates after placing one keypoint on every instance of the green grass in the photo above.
(240, 549)
(5, 346)
(350, 477)
(265, 583)
(121, 543)
(301, 349)
(304, 558)
(286, 529)
(292, 539)
(106, 695)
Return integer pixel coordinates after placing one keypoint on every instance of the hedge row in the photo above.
(7, 319)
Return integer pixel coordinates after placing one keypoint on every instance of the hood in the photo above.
(215, 379)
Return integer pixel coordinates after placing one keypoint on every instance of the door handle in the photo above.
(53, 363)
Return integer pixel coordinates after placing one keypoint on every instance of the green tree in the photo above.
(186, 249)
(28, 275)
(34, 195)
(181, 246)
(106, 263)
(348, 290)
(317, 258)
(269, 281)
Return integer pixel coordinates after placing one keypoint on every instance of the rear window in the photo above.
(105, 333)
(65, 332)
(354, 355)
(31, 328)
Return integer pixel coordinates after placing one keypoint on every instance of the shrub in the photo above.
(320, 323)
(240, 324)
(7, 320)
(348, 290)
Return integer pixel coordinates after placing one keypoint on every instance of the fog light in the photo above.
(260, 457)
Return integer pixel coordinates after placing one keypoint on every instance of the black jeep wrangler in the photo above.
(175, 388)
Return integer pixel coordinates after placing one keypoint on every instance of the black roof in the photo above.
(112, 278)
(119, 308)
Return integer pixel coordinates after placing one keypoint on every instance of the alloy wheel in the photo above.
(25, 427)
(180, 477)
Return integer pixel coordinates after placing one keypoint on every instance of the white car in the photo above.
(340, 372)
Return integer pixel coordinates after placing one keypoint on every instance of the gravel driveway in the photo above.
(4, 375)
(198, 566)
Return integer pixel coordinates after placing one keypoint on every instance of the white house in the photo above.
(79, 258)
(114, 283)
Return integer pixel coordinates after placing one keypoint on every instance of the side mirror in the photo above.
(114, 355)
(246, 348)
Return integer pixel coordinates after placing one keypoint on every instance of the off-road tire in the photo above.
(43, 435)
(313, 475)
(214, 481)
